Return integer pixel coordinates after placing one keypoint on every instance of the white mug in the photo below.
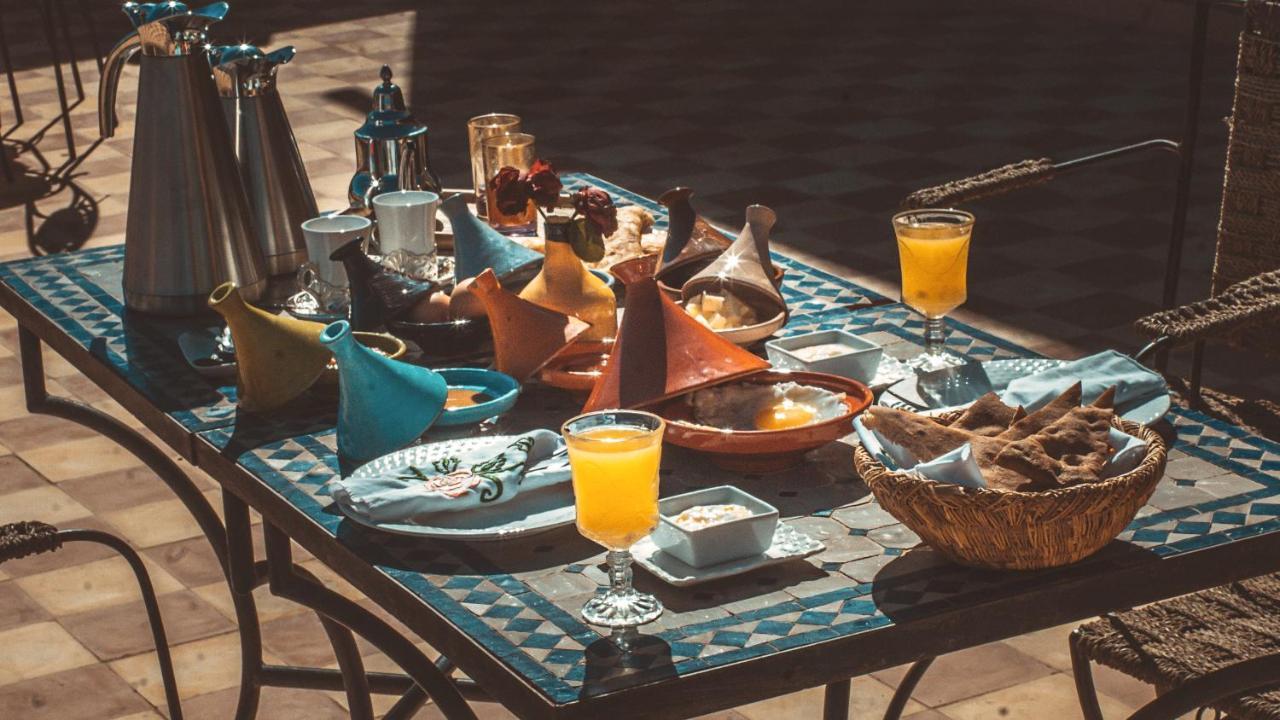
(407, 221)
(327, 233)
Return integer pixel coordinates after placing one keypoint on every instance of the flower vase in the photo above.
(277, 356)
(565, 284)
(477, 247)
(383, 404)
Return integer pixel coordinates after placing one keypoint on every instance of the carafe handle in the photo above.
(128, 46)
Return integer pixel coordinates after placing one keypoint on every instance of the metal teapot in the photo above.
(391, 148)
(275, 179)
(189, 227)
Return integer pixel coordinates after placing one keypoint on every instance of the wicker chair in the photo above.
(18, 540)
(1245, 308)
(1219, 648)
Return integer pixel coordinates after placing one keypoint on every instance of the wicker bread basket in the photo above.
(1017, 530)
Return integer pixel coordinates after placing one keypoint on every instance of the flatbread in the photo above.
(987, 416)
(919, 435)
(1045, 416)
(1070, 451)
(926, 439)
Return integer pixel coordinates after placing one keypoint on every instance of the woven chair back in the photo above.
(1249, 225)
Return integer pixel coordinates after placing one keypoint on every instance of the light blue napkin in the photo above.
(1134, 383)
(486, 475)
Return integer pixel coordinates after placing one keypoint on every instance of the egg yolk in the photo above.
(784, 416)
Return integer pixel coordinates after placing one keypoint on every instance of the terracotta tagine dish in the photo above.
(827, 402)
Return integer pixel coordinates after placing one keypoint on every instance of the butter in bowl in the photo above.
(714, 525)
(835, 352)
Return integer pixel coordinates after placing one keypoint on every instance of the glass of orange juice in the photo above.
(933, 249)
(614, 455)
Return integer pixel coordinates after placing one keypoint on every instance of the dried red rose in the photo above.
(597, 206)
(510, 192)
(544, 184)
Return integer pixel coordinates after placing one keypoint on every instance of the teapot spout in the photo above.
(128, 46)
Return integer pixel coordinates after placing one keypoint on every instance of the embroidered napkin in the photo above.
(1095, 373)
(485, 475)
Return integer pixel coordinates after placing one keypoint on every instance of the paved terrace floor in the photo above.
(827, 114)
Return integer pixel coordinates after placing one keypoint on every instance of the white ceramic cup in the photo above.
(407, 221)
(327, 233)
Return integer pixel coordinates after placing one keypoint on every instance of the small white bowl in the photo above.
(859, 363)
(717, 543)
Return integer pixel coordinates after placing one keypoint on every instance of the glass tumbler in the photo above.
(515, 150)
(479, 128)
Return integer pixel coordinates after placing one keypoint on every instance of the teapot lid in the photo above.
(389, 119)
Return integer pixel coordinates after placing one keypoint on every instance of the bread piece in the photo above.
(1107, 399)
(1045, 416)
(926, 439)
(1070, 451)
(919, 435)
(987, 416)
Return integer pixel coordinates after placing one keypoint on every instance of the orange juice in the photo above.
(615, 483)
(934, 258)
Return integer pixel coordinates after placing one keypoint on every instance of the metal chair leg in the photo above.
(51, 37)
(1190, 130)
(1197, 370)
(30, 538)
(906, 687)
(1084, 679)
(13, 82)
(92, 28)
(65, 26)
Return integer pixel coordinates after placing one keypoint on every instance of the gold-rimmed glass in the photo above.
(514, 150)
(933, 250)
(480, 128)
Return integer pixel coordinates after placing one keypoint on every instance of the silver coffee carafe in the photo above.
(391, 148)
(275, 179)
(189, 228)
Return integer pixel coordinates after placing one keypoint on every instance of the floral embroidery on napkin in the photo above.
(454, 481)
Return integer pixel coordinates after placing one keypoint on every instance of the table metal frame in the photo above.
(832, 662)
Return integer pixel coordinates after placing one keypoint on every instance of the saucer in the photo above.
(303, 305)
(788, 544)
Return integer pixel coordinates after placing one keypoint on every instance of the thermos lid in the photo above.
(389, 119)
(245, 70)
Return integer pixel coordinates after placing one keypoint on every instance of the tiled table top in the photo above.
(519, 600)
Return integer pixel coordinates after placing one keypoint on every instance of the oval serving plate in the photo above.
(527, 514)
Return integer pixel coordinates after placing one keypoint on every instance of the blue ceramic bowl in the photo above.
(608, 279)
(500, 389)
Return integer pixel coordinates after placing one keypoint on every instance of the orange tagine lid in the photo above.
(661, 352)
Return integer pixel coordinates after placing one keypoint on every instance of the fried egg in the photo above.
(752, 406)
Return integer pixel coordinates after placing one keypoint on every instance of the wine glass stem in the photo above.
(935, 335)
(619, 570)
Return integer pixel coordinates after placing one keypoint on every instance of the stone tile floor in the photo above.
(828, 114)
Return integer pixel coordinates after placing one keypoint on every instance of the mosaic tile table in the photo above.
(506, 612)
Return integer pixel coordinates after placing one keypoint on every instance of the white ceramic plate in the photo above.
(788, 544)
(905, 395)
(528, 513)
